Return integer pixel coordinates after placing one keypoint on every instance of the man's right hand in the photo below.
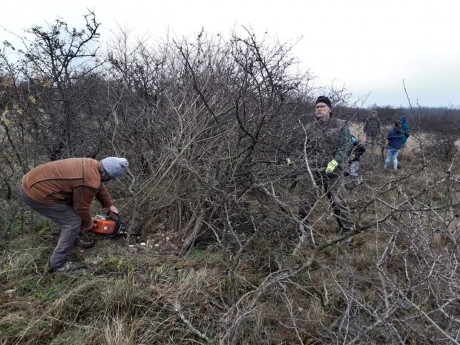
(113, 209)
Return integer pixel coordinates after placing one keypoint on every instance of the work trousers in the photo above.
(68, 220)
(373, 139)
(332, 185)
(354, 175)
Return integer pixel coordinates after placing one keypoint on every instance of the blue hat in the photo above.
(403, 119)
(114, 166)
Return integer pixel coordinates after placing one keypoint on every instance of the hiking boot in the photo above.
(84, 244)
(294, 235)
(69, 266)
(344, 231)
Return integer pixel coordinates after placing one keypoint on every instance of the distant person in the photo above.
(372, 129)
(394, 138)
(327, 146)
(357, 151)
(406, 130)
(62, 191)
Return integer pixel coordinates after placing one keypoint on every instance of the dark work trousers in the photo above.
(373, 139)
(68, 220)
(332, 185)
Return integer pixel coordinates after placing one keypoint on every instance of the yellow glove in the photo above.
(331, 166)
(289, 161)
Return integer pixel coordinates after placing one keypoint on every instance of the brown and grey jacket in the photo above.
(76, 181)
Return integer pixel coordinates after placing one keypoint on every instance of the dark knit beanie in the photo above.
(324, 99)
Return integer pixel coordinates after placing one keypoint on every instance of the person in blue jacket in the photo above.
(406, 133)
(394, 138)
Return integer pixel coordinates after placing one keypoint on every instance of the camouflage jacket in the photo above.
(372, 126)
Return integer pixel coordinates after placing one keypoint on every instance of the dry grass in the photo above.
(401, 272)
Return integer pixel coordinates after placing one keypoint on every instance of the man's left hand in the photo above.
(331, 166)
(113, 209)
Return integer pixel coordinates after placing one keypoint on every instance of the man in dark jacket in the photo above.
(63, 191)
(327, 145)
(394, 138)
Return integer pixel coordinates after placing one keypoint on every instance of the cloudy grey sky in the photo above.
(367, 46)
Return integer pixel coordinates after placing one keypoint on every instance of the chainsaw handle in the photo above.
(110, 212)
(117, 219)
(114, 216)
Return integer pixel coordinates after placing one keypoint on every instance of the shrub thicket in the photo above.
(206, 125)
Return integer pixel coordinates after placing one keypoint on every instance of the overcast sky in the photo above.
(367, 46)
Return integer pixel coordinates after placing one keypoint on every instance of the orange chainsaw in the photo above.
(108, 226)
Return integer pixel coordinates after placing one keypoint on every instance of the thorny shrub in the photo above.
(206, 125)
